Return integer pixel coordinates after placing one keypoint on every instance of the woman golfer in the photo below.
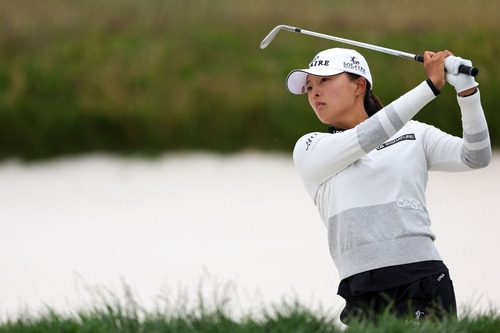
(368, 175)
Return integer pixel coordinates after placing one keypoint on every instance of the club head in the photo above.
(269, 38)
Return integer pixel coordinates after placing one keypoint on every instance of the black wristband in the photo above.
(433, 87)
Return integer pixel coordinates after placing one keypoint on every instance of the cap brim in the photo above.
(296, 80)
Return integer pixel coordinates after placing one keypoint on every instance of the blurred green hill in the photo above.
(145, 77)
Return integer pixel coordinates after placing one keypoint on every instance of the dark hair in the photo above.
(371, 102)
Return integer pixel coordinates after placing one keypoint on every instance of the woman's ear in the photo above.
(361, 86)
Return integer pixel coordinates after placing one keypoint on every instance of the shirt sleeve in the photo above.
(445, 152)
(319, 156)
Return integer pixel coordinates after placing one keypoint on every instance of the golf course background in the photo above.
(145, 77)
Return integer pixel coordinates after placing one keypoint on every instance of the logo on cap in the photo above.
(354, 65)
(316, 62)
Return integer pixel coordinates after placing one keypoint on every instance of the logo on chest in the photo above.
(403, 137)
(410, 204)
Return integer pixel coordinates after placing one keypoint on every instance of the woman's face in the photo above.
(334, 99)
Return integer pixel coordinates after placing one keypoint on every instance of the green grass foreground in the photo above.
(286, 318)
(150, 76)
(217, 311)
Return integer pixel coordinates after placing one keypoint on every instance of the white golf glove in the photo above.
(460, 81)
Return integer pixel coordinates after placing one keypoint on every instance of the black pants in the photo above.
(432, 297)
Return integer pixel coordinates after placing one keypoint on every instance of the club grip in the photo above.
(469, 70)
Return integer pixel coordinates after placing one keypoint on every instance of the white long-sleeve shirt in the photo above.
(369, 182)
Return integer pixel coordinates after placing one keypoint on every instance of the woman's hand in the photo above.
(434, 67)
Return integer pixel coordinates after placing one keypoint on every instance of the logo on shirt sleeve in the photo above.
(403, 137)
(309, 141)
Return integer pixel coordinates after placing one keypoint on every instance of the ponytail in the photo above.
(371, 102)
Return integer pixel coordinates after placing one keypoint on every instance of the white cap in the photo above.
(327, 63)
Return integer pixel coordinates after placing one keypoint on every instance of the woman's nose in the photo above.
(314, 92)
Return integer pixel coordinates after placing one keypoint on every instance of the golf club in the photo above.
(473, 71)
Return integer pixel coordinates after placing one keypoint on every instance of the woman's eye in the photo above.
(309, 88)
(324, 79)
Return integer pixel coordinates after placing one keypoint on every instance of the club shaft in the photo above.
(360, 44)
(473, 71)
